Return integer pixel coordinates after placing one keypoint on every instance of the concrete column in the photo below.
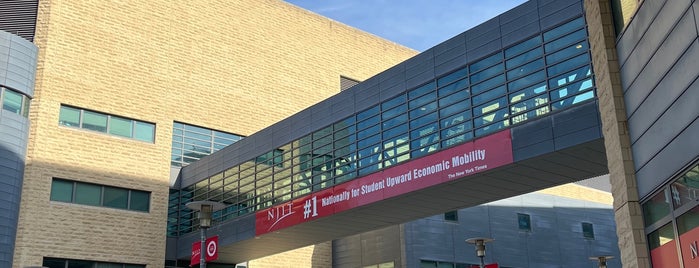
(627, 210)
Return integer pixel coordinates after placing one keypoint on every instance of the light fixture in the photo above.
(601, 260)
(205, 209)
(480, 242)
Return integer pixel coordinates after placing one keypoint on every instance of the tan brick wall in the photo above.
(579, 192)
(627, 210)
(236, 66)
(316, 256)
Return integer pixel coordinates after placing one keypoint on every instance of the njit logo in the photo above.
(310, 209)
(278, 213)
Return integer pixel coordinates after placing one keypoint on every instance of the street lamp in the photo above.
(602, 260)
(479, 242)
(205, 208)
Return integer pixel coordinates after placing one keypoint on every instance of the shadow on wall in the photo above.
(532, 230)
(11, 173)
(322, 255)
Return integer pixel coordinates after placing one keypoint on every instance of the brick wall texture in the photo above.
(236, 66)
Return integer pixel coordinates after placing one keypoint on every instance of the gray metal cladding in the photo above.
(19, 17)
(657, 53)
(17, 69)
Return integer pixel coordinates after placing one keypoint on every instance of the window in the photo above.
(68, 263)
(389, 264)
(99, 195)
(588, 230)
(105, 123)
(190, 143)
(14, 102)
(452, 216)
(524, 221)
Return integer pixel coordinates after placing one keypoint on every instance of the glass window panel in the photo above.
(395, 121)
(526, 57)
(525, 69)
(25, 106)
(80, 264)
(528, 92)
(369, 140)
(69, 116)
(459, 96)
(457, 139)
(568, 64)
(529, 104)
(489, 95)
(530, 115)
(563, 29)
(61, 190)
(487, 73)
(661, 236)
(688, 221)
(12, 101)
(423, 120)
(567, 53)
(455, 119)
(431, 128)
(417, 102)
(368, 132)
(588, 230)
(492, 106)
(88, 194)
(456, 75)
(349, 121)
(395, 131)
(400, 99)
(401, 109)
(53, 263)
(198, 136)
(524, 222)
(373, 111)
(120, 126)
(488, 84)
(368, 122)
(455, 108)
(485, 63)
(139, 201)
(577, 74)
(656, 208)
(423, 110)
(115, 197)
(94, 121)
(490, 118)
(492, 128)
(197, 129)
(456, 129)
(571, 89)
(526, 81)
(524, 46)
(572, 100)
(460, 85)
(421, 90)
(144, 131)
(685, 189)
(565, 41)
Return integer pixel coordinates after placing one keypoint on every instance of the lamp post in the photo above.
(205, 208)
(480, 242)
(601, 260)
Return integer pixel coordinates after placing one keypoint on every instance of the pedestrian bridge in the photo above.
(506, 108)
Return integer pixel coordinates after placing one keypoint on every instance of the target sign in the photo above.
(211, 250)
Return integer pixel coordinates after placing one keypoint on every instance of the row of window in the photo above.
(544, 73)
(190, 143)
(446, 264)
(524, 223)
(106, 123)
(675, 203)
(69, 263)
(14, 102)
(99, 195)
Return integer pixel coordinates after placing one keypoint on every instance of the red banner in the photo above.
(690, 247)
(211, 250)
(466, 159)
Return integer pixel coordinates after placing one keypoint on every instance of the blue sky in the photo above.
(418, 24)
